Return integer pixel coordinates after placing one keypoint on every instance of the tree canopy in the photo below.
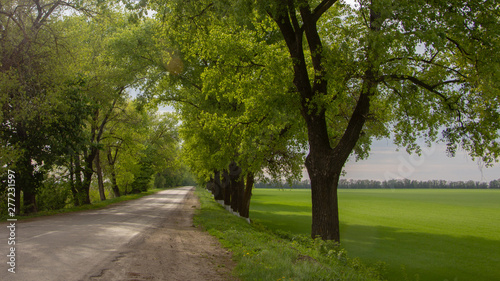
(413, 69)
(260, 88)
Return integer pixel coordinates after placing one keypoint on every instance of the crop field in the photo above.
(420, 234)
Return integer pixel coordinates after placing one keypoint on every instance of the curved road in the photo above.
(72, 246)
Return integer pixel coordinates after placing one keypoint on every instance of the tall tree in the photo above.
(34, 78)
(107, 80)
(417, 67)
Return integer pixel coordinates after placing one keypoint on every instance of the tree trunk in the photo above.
(321, 168)
(72, 179)
(245, 204)
(114, 185)
(100, 181)
(211, 186)
(111, 162)
(77, 181)
(218, 189)
(324, 182)
(88, 172)
(28, 184)
(226, 188)
(234, 187)
(85, 192)
(237, 186)
(29, 199)
(96, 134)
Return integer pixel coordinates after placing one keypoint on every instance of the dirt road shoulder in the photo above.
(176, 250)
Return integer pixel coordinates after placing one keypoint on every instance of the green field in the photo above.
(435, 234)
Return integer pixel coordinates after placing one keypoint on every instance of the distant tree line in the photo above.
(396, 184)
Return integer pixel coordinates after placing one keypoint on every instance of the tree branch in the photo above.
(458, 46)
(418, 82)
(322, 8)
(289, 34)
(429, 62)
(183, 101)
(293, 16)
(202, 12)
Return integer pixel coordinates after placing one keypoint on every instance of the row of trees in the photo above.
(66, 121)
(231, 129)
(393, 184)
(265, 86)
(413, 184)
(255, 81)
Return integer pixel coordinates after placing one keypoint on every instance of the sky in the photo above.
(385, 163)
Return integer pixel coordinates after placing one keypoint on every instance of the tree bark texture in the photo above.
(247, 195)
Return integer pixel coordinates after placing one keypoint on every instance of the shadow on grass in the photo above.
(433, 257)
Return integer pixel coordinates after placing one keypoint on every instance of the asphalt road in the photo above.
(71, 246)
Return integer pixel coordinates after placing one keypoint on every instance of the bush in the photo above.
(53, 196)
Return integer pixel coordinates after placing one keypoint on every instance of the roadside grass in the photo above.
(419, 234)
(93, 206)
(262, 254)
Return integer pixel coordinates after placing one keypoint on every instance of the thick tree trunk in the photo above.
(226, 188)
(247, 195)
(324, 175)
(240, 187)
(235, 194)
(237, 186)
(325, 216)
(218, 189)
(100, 180)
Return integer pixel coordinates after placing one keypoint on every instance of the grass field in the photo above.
(420, 234)
(263, 255)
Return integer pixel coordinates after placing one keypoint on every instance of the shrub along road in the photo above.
(151, 238)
